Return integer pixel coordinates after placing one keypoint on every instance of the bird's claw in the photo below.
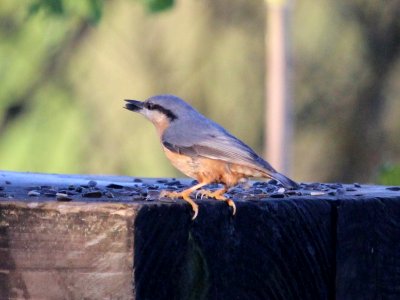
(218, 195)
(185, 196)
(204, 193)
(231, 204)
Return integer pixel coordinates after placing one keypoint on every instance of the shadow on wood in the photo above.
(368, 256)
(110, 237)
(280, 249)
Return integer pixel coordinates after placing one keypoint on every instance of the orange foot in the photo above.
(186, 196)
(218, 195)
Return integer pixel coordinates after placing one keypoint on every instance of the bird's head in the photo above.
(161, 110)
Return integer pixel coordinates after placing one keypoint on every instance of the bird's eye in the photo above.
(149, 105)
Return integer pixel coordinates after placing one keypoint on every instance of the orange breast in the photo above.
(210, 170)
(183, 163)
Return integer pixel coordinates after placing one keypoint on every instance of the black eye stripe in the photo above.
(171, 116)
(149, 105)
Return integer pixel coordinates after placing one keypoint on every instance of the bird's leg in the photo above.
(185, 194)
(219, 195)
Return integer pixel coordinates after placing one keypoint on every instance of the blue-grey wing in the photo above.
(212, 141)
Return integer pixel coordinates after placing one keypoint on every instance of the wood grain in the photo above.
(368, 252)
(49, 252)
(279, 249)
(340, 242)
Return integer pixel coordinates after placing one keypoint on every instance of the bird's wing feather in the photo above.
(204, 138)
(214, 143)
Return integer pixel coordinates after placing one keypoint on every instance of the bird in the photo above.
(202, 149)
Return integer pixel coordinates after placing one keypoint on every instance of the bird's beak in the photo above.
(134, 105)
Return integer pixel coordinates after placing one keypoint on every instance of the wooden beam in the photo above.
(324, 241)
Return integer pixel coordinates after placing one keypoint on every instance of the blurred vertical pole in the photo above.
(278, 104)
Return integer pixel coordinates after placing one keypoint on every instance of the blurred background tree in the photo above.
(66, 66)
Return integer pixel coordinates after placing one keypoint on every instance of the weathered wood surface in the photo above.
(342, 243)
(63, 250)
(56, 251)
(368, 249)
(279, 249)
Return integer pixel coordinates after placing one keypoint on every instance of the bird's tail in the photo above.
(287, 182)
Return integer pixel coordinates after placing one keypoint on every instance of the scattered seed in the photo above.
(92, 183)
(94, 194)
(180, 186)
(109, 195)
(277, 195)
(137, 180)
(335, 186)
(393, 188)
(63, 197)
(152, 187)
(258, 191)
(49, 193)
(317, 193)
(114, 186)
(33, 194)
(292, 193)
(261, 184)
(280, 190)
(173, 182)
(162, 181)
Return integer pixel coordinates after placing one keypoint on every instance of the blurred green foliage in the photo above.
(52, 6)
(91, 10)
(38, 119)
(389, 175)
(66, 66)
(158, 5)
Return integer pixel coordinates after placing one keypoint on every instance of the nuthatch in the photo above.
(202, 149)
